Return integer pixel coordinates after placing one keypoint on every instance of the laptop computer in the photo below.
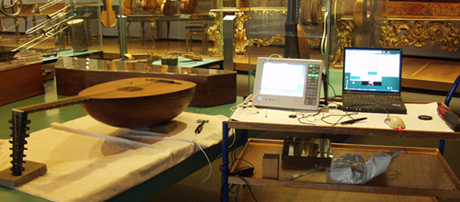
(372, 80)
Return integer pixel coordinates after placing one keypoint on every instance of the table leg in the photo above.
(153, 31)
(1, 24)
(143, 32)
(203, 42)
(16, 26)
(187, 41)
(225, 169)
(127, 30)
(168, 24)
(25, 22)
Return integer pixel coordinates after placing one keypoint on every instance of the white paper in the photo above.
(374, 120)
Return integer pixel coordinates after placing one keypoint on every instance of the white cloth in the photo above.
(87, 168)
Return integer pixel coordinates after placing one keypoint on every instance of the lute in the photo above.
(149, 5)
(118, 93)
(188, 6)
(169, 7)
(128, 103)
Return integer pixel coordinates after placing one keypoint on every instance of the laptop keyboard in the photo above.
(373, 99)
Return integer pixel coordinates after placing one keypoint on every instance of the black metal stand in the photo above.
(291, 48)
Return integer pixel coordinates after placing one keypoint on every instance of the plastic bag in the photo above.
(351, 168)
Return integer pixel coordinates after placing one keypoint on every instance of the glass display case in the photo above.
(291, 29)
(168, 28)
(314, 29)
(122, 29)
(322, 29)
(52, 27)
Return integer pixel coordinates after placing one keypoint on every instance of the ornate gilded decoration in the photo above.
(241, 40)
(214, 34)
(270, 13)
(344, 38)
(432, 25)
(243, 3)
(229, 3)
(422, 9)
(262, 4)
(407, 33)
(406, 23)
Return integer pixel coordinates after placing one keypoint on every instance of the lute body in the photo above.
(129, 103)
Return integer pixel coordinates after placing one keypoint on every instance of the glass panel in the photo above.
(159, 28)
(53, 28)
(354, 23)
(87, 64)
(290, 29)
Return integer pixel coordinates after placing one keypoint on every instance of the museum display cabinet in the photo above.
(51, 27)
(76, 74)
(170, 27)
(427, 31)
(136, 28)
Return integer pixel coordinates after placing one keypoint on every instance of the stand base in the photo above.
(164, 128)
(31, 171)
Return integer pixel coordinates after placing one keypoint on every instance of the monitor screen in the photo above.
(287, 83)
(372, 70)
(290, 79)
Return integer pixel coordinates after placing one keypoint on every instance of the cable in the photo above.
(249, 188)
(238, 159)
(305, 117)
(207, 158)
(234, 138)
(338, 121)
(237, 192)
(333, 90)
(325, 117)
(233, 174)
(246, 106)
(269, 57)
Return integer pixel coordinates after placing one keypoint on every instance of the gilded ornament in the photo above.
(420, 34)
(214, 34)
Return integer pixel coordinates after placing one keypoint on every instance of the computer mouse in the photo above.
(395, 122)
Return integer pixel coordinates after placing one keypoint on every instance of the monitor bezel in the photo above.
(285, 99)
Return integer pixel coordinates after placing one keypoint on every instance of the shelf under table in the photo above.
(418, 171)
(282, 194)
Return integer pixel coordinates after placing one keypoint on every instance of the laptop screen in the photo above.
(372, 70)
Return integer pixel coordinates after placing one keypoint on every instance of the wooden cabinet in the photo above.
(75, 74)
(19, 82)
